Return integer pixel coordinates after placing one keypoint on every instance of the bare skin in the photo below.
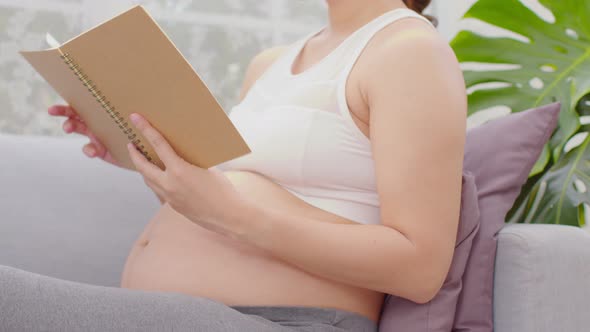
(175, 254)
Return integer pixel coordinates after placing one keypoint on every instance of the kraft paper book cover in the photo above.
(128, 64)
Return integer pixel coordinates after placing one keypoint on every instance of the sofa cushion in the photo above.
(552, 261)
(65, 215)
(500, 153)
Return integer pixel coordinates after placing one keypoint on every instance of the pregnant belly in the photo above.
(174, 254)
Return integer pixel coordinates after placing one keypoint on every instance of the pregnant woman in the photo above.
(351, 192)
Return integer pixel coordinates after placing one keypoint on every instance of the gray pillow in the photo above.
(498, 158)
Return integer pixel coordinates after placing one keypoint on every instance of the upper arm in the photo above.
(418, 106)
(258, 65)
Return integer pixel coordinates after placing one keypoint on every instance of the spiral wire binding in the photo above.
(104, 103)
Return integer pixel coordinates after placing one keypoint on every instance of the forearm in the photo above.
(375, 257)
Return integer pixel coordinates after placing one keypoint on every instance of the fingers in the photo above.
(95, 149)
(156, 140)
(143, 166)
(72, 125)
(90, 150)
(63, 110)
(101, 148)
(110, 159)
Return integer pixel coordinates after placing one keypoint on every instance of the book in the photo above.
(128, 64)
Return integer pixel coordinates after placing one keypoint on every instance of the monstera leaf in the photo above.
(549, 61)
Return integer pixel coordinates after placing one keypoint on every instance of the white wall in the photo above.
(218, 37)
(448, 13)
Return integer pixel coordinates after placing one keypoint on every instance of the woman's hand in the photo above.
(74, 124)
(204, 196)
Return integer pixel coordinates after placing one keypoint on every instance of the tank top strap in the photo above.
(344, 54)
(360, 42)
(339, 62)
(365, 34)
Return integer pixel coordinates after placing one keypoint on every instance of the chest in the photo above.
(299, 137)
(314, 54)
(307, 131)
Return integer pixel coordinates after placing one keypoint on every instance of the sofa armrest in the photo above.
(542, 279)
(65, 215)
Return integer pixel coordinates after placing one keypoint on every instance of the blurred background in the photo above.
(218, 38)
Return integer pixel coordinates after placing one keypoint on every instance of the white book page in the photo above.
(51, 41)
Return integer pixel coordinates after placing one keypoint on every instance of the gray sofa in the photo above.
(71, 217)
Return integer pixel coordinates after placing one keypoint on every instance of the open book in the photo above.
(128, 64)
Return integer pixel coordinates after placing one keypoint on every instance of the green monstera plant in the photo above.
(546, 60)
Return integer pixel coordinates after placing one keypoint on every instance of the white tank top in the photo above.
(301, 132)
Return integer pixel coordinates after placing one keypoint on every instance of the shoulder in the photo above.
(411, 36)
(409, 58)
(258, 65)
(412, 52)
